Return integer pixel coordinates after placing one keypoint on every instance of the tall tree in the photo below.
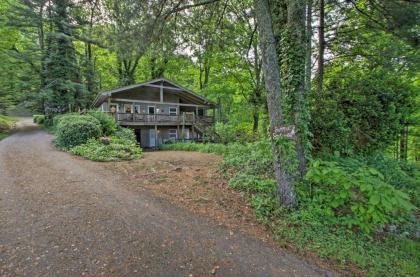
(62, 74)
(321, 47)
(308, 35)
(271, 70)
(289, 22)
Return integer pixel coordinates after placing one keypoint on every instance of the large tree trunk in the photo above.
(308, 57)
(296, 31)
(272, 83)
(321, 48)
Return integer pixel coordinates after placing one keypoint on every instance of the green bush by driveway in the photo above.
(73, 130)
(95, 136)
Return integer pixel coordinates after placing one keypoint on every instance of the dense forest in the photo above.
(340, 76)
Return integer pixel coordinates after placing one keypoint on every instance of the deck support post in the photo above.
(183, 125)
(156, 136)
(177, 132)
(161, 92)
(193, 125)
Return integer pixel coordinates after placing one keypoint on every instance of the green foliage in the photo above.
(126, 133)
(38, 118)
(252, 158)
(6, 122)
(357, 195)
(225, 132)
(117, 150)
(191, 146)
(253, 184)
(73, 130)
(79, 134)
(68, 117)
(361, 110)
(108, 124)
(310, 231)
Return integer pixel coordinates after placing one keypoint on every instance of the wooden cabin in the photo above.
(159, 111)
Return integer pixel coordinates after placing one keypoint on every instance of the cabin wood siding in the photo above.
(163, 134)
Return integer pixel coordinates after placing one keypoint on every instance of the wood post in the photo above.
(183, 125)
(156, 136)
(193, 123)
(161, 92)
(177, 132)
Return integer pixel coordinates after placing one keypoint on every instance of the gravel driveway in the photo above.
(64, 216)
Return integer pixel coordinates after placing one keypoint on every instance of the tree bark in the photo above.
(308, 57)
(321, 48)
(296, 31)
(271, 69)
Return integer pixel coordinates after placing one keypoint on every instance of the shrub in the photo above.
(69, 117)
(357, 196)
(6, 122)
(215, 148)
(252, 158)
(253, 184)
(225, 132)
(73, 130)
(39, 118)
(126, 133)
(108, 124)
(117, 149)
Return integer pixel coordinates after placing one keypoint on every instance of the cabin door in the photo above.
(138, 135)
(152, 138)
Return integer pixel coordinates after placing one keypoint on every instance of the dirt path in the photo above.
(64, 216)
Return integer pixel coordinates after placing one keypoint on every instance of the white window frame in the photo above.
(171, 133)
(114, 104)
(176, 111)
(148, 109)
(127, 105)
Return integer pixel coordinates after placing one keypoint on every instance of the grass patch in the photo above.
(4, 135)
(198, 147)
(312, 230)
(6, 124)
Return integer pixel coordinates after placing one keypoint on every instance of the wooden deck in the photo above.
(139, 119)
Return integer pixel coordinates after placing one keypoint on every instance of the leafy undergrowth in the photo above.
(95, 136)
(204, 148)
(6, 124)
(358, 214)
(117, 150)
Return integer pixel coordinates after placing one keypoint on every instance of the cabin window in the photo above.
(136, 108)
(200, 112)
(114, 108)
(173, 135)
(173, 111)
(127, 108)
(151, 109)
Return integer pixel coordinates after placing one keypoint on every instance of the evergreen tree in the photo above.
(63, 88)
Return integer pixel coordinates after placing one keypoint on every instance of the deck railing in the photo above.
(185, 118)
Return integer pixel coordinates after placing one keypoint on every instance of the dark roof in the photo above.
(102, 96)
